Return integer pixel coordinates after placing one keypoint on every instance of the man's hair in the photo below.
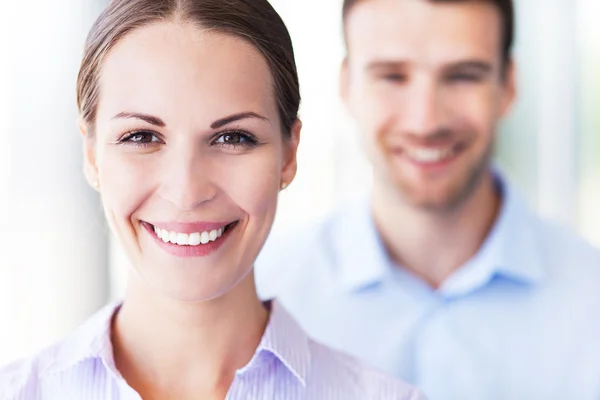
(505, 7)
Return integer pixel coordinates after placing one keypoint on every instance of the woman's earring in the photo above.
(283, 185)
(96, 184)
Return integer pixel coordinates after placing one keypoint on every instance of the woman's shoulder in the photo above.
(13, 378)
(20, 379)
(28, 377)
(349, 378)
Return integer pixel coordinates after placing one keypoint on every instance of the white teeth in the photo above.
(164, 235)
(195, 239)
(429, 155)
(183, 239)
(204, 238)
(192, 239)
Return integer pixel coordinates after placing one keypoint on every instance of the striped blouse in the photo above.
(287, 365)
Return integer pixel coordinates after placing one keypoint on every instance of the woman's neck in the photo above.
(171, 349)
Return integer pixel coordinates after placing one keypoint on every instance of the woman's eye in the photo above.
(231, 138)
(235, 139)
(141, 138)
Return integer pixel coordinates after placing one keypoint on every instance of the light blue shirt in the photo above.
(519, 321)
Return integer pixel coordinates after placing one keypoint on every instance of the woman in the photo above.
(189, 116)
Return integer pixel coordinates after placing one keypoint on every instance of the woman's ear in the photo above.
(89, 157)
(290, 161)
(344, 83)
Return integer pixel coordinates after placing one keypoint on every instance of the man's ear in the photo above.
(509, 88)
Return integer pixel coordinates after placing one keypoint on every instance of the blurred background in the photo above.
(58, 262)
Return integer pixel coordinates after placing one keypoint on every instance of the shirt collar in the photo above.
(92, 340)
(283, 338)
(510, 250)
(518, 253)
(360, 255)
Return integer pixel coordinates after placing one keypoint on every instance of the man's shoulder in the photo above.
(302, 250)
(350, 378)
(317, 233)
(561, 245)
(571, 266)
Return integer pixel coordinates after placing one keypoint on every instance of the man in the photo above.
(443, 276)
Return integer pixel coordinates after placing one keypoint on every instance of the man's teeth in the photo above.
(430, 155)
(192, 239)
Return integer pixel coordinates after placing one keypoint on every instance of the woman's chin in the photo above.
(192, 289)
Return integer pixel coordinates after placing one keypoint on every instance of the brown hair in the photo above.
(252, 20)
(507, 14)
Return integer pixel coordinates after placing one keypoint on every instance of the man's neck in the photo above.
(432, 244)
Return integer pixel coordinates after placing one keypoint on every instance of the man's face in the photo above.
(427, 84)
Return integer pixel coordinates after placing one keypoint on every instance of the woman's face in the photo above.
(189, 156)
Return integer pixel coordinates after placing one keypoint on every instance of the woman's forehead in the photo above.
(180, 67)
